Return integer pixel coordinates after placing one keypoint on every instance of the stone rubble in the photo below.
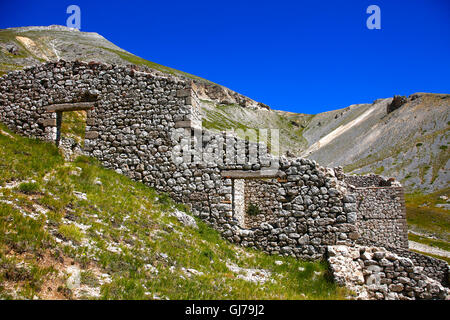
(376, 273)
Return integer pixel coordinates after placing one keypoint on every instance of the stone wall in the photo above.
(312, 214)
(370, 180)
(264, 195)
(147, 126)
(380, 204)
(382, 216)
(434, 268)
(376, 273)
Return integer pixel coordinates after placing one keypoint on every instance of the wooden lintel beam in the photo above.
(70, 107)
(244, 174)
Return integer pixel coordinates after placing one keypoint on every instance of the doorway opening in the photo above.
(71, 120)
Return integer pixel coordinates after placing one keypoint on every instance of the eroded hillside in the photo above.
(410, 143)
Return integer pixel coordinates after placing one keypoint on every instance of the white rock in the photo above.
(184, 218)
(74, 280)
(80, 195)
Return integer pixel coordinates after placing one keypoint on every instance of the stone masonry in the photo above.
(381, 210)
(262, 194)
(147, 126)
(376, 273)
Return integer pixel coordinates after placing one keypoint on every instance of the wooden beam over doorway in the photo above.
(247, 174)
(70, 107)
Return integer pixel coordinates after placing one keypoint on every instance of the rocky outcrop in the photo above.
(223, 96)
(396, 103)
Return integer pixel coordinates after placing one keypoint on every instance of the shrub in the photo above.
(89, 278)
(71, 232)
(253, 210)
(29, 187)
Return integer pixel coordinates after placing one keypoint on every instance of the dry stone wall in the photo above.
(263, 195)
(434, 268)
(376, 273)
(380, 205)
(147, 126)
(382, 216)
(370, 180)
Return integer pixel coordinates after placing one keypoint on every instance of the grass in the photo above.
(125, 233)
(430, 242)
(21, 158)
(29, 187)
(89, 278)
(133, 59)
(71, 232)
(379, 170)
(30, 275)
(253, 210)
(73, 125)
(423, 216)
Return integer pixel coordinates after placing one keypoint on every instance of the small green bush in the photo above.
(253, 210)
(89, 278)
(29, 187)
(71, 232)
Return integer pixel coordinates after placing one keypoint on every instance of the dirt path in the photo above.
(428, 249)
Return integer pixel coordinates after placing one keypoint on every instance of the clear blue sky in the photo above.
(300, 56)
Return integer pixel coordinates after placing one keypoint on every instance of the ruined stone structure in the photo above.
(147, 126)
(376, 273)
(385, 222)
(262, 195)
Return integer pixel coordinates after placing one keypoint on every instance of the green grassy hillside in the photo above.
(76, 230)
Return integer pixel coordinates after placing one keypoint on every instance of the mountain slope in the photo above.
(28, 46)
(410, 143)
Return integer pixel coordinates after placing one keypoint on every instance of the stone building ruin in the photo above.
(147, 126)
